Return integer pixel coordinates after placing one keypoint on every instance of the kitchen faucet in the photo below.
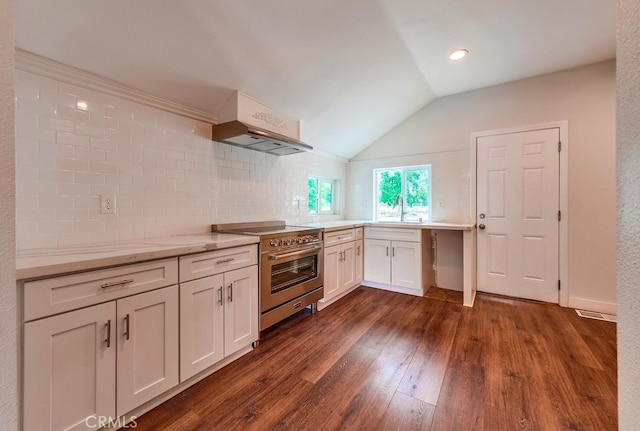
(400, 201)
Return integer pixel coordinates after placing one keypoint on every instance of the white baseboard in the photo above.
(399, 289)
(591, 305)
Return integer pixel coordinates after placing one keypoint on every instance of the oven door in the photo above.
(289, 274)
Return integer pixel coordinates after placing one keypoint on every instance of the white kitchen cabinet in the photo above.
(102, 360)
(201, 324)
(147, 343)
(70, 369)
(342, 261)
(359, 258)
(241, 315)
(377, 261)
(219, 314)
(393, 259)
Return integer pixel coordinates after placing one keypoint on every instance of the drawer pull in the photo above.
(126, 327)
(220, 293)
(108, 339)
(343, 237)
(358, 250)
(297, 305)
(225, 260)
(230, 287)
(117, 283)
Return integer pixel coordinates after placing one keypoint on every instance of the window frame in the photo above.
(335, 185)
(403, 170)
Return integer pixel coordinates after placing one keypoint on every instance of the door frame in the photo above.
(563, 232)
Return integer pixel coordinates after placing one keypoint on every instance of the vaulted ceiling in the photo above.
(349, 70)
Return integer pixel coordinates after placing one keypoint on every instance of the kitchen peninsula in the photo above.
(468, 247)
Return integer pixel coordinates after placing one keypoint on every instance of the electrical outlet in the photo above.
(107, 204)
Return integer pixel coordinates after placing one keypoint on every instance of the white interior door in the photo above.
(518, 178)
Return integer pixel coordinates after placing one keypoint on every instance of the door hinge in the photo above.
(559, 146)
(559, 284)
(559, 215)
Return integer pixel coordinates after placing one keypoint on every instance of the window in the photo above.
(323, 196)
(403, 194)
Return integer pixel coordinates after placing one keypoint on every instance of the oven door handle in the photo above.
(295, 253)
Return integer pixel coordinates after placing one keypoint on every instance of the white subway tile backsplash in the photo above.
(168, 177)
(73, 139)
(76, 165)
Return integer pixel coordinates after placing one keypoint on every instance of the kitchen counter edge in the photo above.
(32, 264)
(347, 224)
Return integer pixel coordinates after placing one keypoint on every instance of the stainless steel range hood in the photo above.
(248, 123)
(245, 135)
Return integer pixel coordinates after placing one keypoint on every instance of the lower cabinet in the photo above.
(343, 262)
(395, 264)
(99, 361)
(339, 269)
(218, 317)
(359, 261)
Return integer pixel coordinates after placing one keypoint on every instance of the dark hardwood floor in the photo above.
(378, 360)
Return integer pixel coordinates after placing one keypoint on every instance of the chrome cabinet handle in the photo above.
(393, 252)
(230, 287)
(358, 250)
(387, 250)
(108, 339)
(116, 283)
(126, 327)
(231, 259)
(220, 295)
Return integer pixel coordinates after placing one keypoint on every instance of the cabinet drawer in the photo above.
(339, 237)
(59, 294)
(393, 233)
(215, 262)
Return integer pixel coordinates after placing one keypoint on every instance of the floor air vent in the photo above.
(597, 316)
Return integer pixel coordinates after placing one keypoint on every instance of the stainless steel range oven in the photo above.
(291, 275)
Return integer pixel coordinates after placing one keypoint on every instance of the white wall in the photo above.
(585, 97)
(8, 319)
(167, 176)
(628, 128)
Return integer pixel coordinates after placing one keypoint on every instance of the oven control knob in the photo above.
(287, 241)
(300, 240)
(273, 243)
(279, 242)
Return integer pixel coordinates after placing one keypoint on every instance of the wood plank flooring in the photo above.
(379, 360)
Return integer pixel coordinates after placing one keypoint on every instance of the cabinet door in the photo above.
(147, 341)
(201, 324)
(331, 271)
(347, 266)
(406, 266)
(241, 313)
(70, 369)
(377, 260)
(359, 258)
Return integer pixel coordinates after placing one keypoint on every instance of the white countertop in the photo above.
(52, 261)
(346, 224)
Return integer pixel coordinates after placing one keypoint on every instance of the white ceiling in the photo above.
(349, 70)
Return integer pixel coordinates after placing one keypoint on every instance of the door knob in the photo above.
(481, 226)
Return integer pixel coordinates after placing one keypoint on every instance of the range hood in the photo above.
(247, 123)
(255, 138)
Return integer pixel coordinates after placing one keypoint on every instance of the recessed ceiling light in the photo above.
(458, 54)
(82, 105)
